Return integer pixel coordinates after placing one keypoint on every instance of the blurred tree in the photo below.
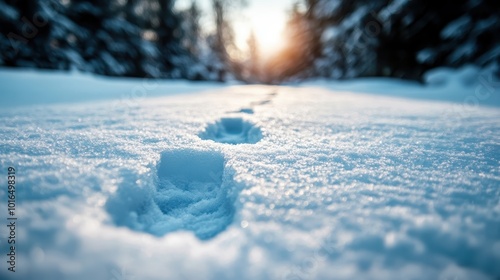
(101, 38)
(300, 47)
(399, 38)
(221, 42)
(326, 38)
(222, 37)
(170, 34)
(27, 29)
(195, 44)
(192, 29)
(140, 38)
(12, 42)
(254, 62)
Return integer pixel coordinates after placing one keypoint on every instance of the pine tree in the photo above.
(12, 41)
(194, 43)
(26, 34)
(398, 38)
(140, 38)
(192, 29)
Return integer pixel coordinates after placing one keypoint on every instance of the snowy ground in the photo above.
(252, 182)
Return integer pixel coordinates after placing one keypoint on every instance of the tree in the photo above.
(194, 42)
(298, 55)
(192, 30)
(140, 38)
(254, 62)
(346, 39)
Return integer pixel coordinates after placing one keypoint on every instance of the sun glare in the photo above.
(268, 28)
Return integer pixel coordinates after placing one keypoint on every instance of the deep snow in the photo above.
(253, 182)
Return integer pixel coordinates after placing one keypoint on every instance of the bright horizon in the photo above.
(266, 19)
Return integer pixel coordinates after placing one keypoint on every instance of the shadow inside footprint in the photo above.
(192, 192)
(247, 110)
(262, 102)
(232, 131)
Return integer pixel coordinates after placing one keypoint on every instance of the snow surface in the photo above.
(468, 87)
(21, 87)
(339, 180)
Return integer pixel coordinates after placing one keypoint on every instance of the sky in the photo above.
(267, 18)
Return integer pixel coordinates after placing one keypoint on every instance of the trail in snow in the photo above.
(312, 184)
(191, 190)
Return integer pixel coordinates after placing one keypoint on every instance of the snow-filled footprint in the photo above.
(261, 102)
(246, 110)
(192, 192)
(232, 130)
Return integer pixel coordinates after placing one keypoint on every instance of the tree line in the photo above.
(335, 39)
(342, 39)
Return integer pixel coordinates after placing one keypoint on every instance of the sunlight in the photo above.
(268, 27)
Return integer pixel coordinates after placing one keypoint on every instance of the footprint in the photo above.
(244, 111)
(232, 131)
(263, 102)
(192, 192)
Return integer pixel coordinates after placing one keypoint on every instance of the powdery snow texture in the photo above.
(255, 182)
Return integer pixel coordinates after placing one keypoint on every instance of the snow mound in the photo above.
(232, 130)
(189, 194)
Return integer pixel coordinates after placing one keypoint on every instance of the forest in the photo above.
(324, 38)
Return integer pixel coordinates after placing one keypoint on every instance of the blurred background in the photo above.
(252, 41)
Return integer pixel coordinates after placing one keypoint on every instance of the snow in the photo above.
(490, 55)
(190, 195)
(456, 28)
(466, 87)
(232, 130)
(362, 179)
(426, 56)
(393, 8)
(330, 34)
(24, 87)
(462, 53)
(8, 12)
(325, 9)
